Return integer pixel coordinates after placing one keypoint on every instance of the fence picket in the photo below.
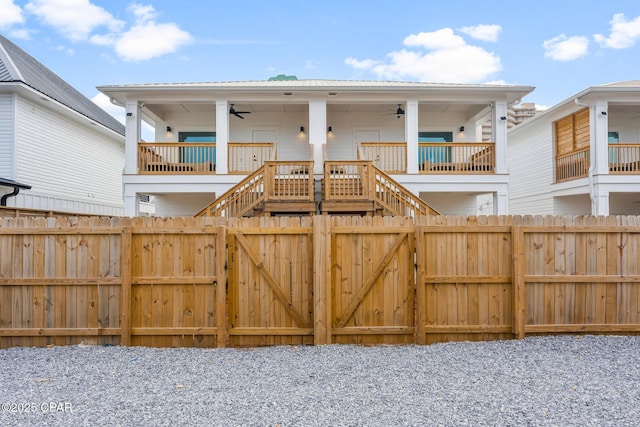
(321, 279)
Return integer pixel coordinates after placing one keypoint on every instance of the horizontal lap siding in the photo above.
(67, 162)
(6, 136)
(531, 165)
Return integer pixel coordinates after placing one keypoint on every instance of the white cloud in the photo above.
(563, 48)
(360, 65)
(438, 56)
(74, 19)
(81, 20)
(436, 40)
(20, 34)
(148, 40)
(311, 65)
(624, 34)
(11, 14)
(143, 12)
(487, 33)
(69, 51)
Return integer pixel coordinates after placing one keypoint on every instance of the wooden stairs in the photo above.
(289, 188)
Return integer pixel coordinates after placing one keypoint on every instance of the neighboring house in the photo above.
(581, 156)
(55, 140)
(209, 137)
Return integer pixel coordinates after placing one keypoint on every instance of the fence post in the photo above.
(419, 299)
(519, 290)
(222, 338)
(322, 279)
(125, 277)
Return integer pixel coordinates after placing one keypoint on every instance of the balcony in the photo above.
(624, 159)
(180, 158)
(456, 158)
(433, 158)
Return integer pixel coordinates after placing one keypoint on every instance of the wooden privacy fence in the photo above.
(214, 282)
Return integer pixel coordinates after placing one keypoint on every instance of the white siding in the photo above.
(452, 203)
(6, 136)
(572, 205)
(173, 204)
(531, 164)
(68, 164)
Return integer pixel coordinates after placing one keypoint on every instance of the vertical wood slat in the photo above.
(222, 338)
(125, 291)
(322, 279)
(519, 290)
(583, 278)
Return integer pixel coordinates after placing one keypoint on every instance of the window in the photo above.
(613, 137)
(429, 153)
(194, 154)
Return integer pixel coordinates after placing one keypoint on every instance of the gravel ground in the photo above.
(568, 380)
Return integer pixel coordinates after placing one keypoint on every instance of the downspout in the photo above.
(591, 161)
(16, 190)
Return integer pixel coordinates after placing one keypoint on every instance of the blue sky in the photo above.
(561, 47)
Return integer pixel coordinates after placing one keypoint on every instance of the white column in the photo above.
(318, 132)
(500, 203)
(500, 133)
(222, 137)
(131, 136)
(131, 204)
(599, 144)
(411, 128)
(600, 202)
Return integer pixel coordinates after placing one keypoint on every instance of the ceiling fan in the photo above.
(237, 113)
(399, 112)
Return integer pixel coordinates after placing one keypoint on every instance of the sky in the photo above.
(560, 47)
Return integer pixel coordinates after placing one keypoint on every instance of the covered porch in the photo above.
(209, 131)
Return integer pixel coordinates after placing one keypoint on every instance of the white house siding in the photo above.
(531, 165)
(579, 204)
(6, 136)
(451, 203)
(173, 204)
(69, 165)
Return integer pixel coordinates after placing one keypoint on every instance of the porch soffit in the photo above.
(165, 109)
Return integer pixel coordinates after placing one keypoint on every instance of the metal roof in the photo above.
(315, 83)
(18, 66)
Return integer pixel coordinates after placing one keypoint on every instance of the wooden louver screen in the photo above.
(573, 132)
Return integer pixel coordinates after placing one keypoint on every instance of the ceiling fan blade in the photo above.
(235, 113)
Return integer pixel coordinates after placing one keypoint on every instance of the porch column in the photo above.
(131, 204)
(411, 128)
(600, 202)
(222, 137)
(318, 132)
(131, 136)
(500, 134)
(599, 144)
(500, 203)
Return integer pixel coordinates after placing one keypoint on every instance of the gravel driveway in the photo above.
(567, 380)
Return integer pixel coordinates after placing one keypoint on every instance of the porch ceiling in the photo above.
(164, 110)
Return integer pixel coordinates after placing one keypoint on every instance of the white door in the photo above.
(265, 153)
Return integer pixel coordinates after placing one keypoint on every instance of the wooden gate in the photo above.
(270, 290)
(464, 279)
(177, 283)
(372, 280)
